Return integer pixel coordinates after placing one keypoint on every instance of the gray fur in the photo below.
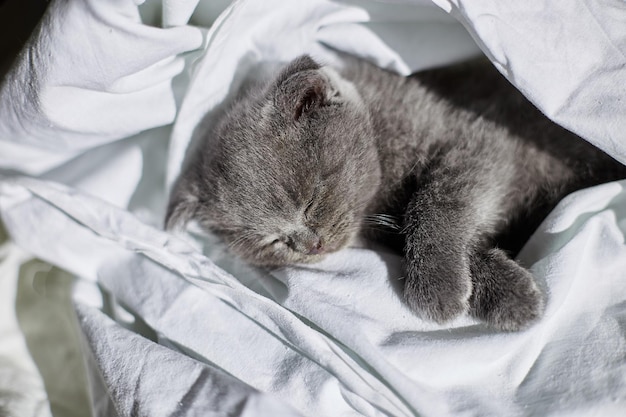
(453, 167)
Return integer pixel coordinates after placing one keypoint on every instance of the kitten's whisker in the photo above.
(384, 220)
(241, 239)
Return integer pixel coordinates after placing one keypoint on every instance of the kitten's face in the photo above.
(288, 172)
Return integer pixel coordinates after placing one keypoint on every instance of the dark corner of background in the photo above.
(18, 18)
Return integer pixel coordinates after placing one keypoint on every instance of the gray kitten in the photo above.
(454, 167)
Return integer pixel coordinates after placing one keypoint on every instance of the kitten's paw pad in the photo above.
(441, 294)
(507, 297)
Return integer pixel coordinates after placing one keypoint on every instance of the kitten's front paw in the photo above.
(505, 294)
(439, 291)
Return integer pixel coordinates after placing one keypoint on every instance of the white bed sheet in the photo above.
(167, 331)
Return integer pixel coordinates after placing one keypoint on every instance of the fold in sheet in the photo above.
(327, 339)
(191, 387)
(568, 58)
(91, 74)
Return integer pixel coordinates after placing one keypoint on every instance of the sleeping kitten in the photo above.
(457, 165)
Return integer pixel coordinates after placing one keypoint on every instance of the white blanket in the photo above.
(95, 121)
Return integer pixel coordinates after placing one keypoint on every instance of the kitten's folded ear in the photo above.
(183, 204)
(301, 63)
(300, 87)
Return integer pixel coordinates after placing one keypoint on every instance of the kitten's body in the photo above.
(469, 119)
(461, 161)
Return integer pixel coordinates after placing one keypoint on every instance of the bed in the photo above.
(106, 314)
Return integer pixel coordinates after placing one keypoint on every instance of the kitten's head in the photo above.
(287, 173)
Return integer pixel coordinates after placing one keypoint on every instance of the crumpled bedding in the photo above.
(96, 118)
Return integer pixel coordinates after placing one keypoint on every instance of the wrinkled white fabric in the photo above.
(84, 80)
(568, 57)
(185, 337)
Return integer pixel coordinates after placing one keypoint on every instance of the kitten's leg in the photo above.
(438, 228)
(504, 294)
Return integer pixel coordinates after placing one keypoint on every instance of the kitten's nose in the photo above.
(315, 247)
(307, 242)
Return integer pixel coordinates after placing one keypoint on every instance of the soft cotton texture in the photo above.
(101, 109)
